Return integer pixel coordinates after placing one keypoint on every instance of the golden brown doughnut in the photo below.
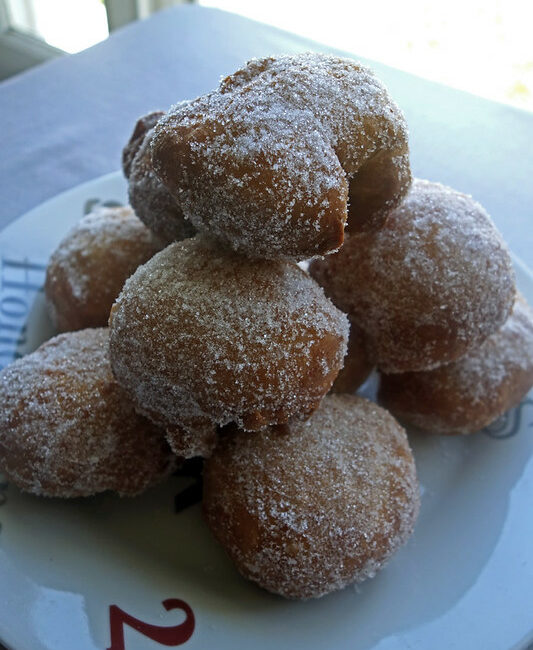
(357, 366)
(470, 393)
(434, 281)
(152, 202)
(273, 161)
(202, 337)
(66, 427)
(311, 507)
(87, 270)
(142, 126)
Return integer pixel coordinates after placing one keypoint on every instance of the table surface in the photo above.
(66, 121)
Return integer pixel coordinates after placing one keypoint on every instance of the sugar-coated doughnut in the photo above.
(88, 268)
(436, 280)
(68, 430)
(201, 337)
(357, 366)
(313, 506)
(470, 393)
(274, 161)
(151, 200)
(142, 126)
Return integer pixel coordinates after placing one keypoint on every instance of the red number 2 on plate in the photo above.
(169, 636)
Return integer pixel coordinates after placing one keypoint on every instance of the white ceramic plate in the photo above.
(93, 574)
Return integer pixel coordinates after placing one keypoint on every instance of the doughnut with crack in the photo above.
(275, 160)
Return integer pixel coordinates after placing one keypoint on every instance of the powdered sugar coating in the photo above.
(66, 427)
(152, 202)
(202, 337)
(436, 280)
(466, 395)
(89, 267)
(269, 162)
(309, 508)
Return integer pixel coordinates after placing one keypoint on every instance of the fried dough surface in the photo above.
(311, 507)
(152, 202)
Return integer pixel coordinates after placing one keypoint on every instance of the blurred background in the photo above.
(485, 48)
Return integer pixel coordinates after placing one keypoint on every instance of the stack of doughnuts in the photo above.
(433, 296)
(220, 344)
(435, 281)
